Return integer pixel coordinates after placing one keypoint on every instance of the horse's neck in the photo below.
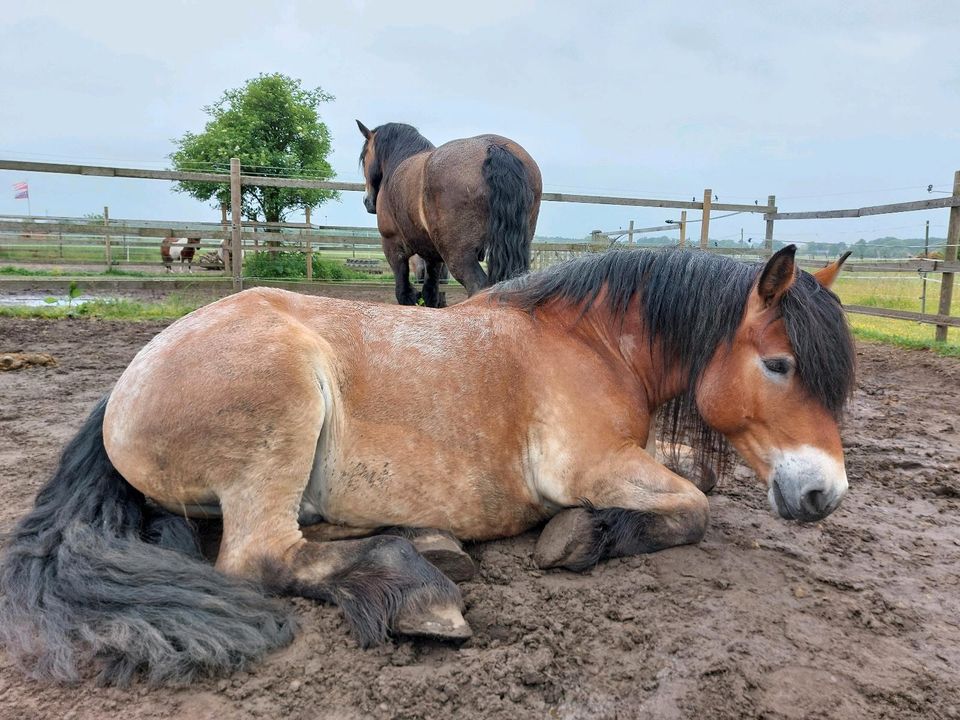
(395, 159)
(624, 342)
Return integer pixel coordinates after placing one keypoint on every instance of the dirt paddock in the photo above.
(855, 617)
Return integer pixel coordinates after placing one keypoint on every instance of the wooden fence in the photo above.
(947, 267)
(235, 238)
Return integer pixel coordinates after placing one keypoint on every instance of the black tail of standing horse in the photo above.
(81, 581)
(508, 230)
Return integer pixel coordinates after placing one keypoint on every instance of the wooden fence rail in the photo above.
(236, 179)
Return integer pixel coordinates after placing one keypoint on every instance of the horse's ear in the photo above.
(363, 130)
(826, 275)
(778, 275)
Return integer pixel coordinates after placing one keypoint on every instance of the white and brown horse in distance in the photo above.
(182, 250)
(457, 204)
(543, 390)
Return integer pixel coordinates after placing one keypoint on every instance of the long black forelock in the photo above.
(394, 143)
(691, 302)
(822, 344)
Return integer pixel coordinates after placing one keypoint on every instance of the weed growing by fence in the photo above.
(293, 266)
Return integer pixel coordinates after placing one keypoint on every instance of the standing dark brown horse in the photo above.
(455, 204)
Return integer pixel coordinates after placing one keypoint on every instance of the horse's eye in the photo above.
(778, 366)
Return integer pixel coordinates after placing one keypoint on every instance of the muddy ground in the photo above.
(854, 617)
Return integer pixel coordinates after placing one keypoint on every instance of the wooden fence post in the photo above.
(768, 235)
(106, 236)
(705, 225)
(630, 233)
(309, 259)
(307, 215)
(224, 245)
(683, 228)
(949, 255)
(236, 246)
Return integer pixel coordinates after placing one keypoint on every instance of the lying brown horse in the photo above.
(313, 422)
(455, 204)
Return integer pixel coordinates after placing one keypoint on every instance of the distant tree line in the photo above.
(885, 248)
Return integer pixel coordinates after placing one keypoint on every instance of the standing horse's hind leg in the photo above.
(466, 268)
(629, 505)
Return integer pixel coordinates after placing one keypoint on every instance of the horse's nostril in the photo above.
(816, 501)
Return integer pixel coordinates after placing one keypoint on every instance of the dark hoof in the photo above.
(702, 476)
(566, 541)
(444, 622)
(447, 556)
(684, 464)
(705, 479)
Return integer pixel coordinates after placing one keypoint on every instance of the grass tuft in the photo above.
(170, 308)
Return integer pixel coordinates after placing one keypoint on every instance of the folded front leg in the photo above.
(628, 505)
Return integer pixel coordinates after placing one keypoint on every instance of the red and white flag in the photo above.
(21, 191)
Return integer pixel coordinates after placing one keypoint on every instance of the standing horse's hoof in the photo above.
(444, 622)
(566, 541)
(447, 556)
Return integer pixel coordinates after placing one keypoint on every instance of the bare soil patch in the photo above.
(854, 617)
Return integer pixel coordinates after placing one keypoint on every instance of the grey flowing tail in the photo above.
(88, 576)
(511, 200)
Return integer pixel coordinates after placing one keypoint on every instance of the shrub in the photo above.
(293, 266)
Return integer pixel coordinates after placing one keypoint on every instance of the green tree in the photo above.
(273, 126)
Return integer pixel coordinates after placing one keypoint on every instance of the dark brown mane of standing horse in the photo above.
(457, 204)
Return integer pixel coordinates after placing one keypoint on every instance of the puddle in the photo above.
(38, 300)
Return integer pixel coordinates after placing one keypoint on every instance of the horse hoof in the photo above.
(705, 479)
(566, 540)
(703, 476)
(444, 622)
(447, 556)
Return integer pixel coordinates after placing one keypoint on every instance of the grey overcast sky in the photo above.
(825, 104)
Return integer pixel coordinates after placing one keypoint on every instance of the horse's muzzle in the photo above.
(370, 204)
(806, 485)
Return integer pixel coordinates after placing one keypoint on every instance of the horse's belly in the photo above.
(471, 506)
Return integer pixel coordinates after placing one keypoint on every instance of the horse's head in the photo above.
(776, 391)
(372, 171)
(384, 149)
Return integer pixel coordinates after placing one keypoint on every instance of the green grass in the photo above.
(72, 253)
(59, 272)
(170, 308)
(138, 255)
(947, 349)
(897, 291)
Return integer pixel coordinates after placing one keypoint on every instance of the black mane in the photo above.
(691, 302)
(393, 143)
